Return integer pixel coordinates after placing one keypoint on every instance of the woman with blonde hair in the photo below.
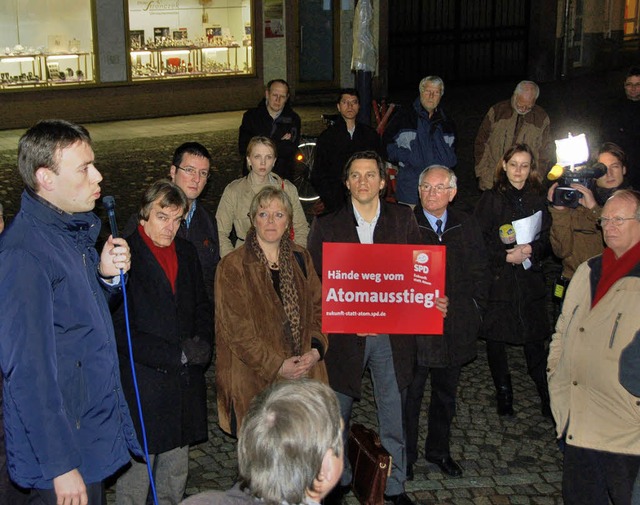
(268, 311)
(233, 209)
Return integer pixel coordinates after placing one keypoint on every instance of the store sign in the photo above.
(159, 5)
(382, 288)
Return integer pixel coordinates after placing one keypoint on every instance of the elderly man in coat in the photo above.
(170, 319)
(518, 120)
(467, 286)
(596, 416)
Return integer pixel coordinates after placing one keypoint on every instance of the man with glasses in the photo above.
(190, 170)
(621, 123)
(419, 136)
(594, 414)
(467, 285)
(518, 120)
(336, 145)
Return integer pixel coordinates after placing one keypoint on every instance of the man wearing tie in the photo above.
(442, 356)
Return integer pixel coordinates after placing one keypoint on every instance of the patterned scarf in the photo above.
(288, 289)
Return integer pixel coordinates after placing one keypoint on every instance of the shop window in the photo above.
(45, 43)
(190, 38)
(631, 19)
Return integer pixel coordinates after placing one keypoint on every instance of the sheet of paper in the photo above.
(528, 228)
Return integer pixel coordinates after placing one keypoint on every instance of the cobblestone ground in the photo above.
(505, 461)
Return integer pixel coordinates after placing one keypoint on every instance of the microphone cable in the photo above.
(110, 205)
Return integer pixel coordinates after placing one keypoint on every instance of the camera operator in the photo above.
(575, 236)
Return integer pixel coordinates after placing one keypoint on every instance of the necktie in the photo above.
(439, 228)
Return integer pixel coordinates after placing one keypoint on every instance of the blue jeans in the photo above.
(379, 360)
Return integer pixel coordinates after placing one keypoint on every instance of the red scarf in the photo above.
(166, 257)
(614, 269)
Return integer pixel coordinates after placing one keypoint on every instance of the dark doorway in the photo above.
(459, 40)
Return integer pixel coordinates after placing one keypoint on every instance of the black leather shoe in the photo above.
(409, 471)
(447, 465)
(336, 495)
(399, 499)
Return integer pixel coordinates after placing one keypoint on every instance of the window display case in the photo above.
(199, 38)
(53, 48)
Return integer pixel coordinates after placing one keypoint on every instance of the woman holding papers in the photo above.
(268, 311)
(515, 225)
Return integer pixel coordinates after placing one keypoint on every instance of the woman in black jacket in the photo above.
(516, 311)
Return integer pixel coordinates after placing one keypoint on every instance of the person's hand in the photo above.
(197, 351)
(587, 199)
(367, 334)
(286, 136)
(70, 489)
(519, 253)
(550, 193)
(115, 256)
(309, 359)
(442, 304)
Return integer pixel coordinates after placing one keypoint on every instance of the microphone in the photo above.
(109, 203)
(507, 235)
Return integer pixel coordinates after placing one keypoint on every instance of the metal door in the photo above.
(459, 40)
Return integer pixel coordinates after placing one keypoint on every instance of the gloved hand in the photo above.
(197, 351)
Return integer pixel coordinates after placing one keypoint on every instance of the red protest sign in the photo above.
(382, 288)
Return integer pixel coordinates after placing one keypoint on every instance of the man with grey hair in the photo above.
(467, 286)
(289, 447)
(515, 121)
(418, 136)
(170, 329)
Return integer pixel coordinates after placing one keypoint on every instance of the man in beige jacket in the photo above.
(597, 418)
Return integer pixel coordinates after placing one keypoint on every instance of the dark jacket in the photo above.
(345, 356)
(621, 124)
(258, 121)
(414, 141)
(466, 285)
(173, 395)
(333, 148)
(516, 312)
(63, 405)
(203, 234)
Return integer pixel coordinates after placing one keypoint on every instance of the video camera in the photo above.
(572, 168)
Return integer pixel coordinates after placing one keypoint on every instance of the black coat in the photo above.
(173, 395)
(516, 312)
(345, 357)
(333, 148)
(258, 121)
(467, 286)
(203, 234)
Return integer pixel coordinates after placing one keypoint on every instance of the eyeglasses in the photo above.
(191, 172)
(438, 190)
(615, 221)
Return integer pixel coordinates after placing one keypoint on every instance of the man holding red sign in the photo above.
(369, 219)
(441, 357)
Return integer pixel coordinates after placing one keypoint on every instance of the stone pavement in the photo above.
(505, 461)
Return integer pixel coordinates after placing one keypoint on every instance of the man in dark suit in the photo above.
(467, 284)
(336, 145)
(273, 118)
(368, 219)
(170, 320)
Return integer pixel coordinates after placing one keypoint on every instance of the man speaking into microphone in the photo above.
(67, 422)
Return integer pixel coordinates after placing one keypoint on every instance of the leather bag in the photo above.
(370, 464)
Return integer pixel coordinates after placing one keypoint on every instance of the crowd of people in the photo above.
(104, 354)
